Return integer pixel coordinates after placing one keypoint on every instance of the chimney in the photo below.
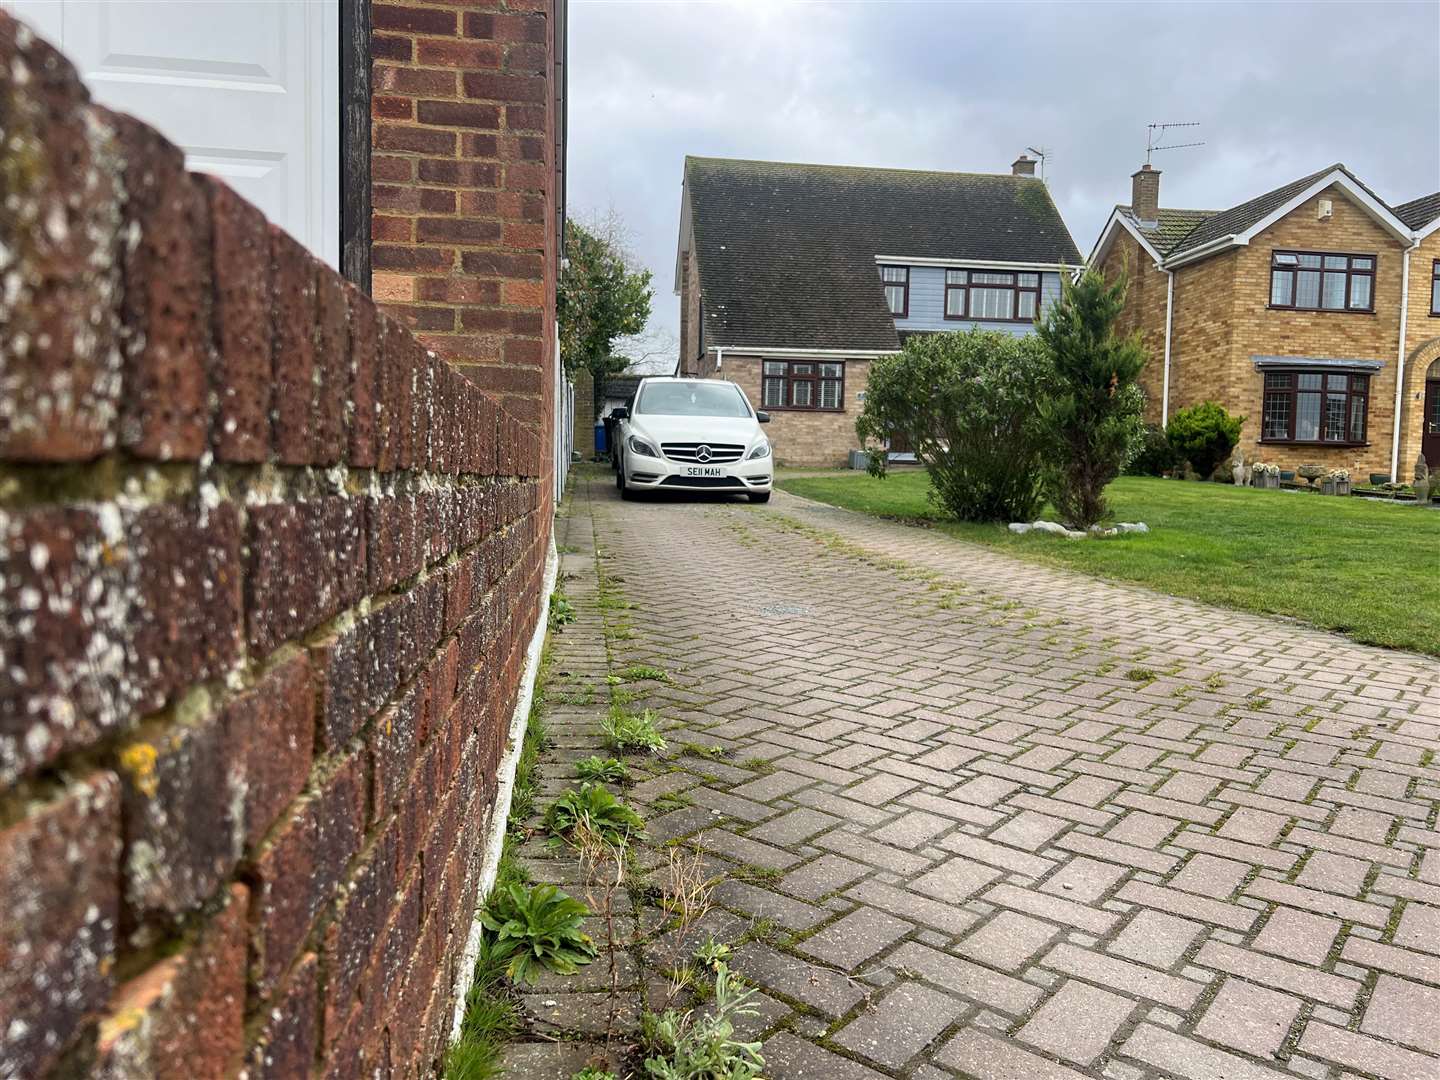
(1024, 165)
(1145, 193)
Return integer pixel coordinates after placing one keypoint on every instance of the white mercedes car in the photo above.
(691, 435)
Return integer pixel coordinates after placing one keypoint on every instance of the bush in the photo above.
(1154, 456)
(1094, 407)
(527, 929)
(966, 404)
(1204, 435)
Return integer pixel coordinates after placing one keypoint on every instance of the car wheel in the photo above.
(759, 496)
(626, 491)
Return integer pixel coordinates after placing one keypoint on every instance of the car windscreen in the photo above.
(691, 399)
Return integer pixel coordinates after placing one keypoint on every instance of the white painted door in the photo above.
(249, 88)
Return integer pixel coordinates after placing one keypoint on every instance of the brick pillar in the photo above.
(464, 185)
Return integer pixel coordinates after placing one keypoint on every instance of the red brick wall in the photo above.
(464, 119)
(269, 569)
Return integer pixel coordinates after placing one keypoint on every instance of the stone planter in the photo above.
(1311, 473)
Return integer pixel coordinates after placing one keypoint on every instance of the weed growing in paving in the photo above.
(562, 612)
(631, 733)
(535, 928)
(592, 811)
(643, 672)
(1141, 675)
(695, 749)
(690, 1046)
(604, 770)
(590, 1072)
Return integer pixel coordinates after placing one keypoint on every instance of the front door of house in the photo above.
(250, 89)
(1430, 439)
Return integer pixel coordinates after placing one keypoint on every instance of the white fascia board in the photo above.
(1375, 209)
(966, 264)
(684, 237)
(768, 350)
(1425, 230)
(1222, 243)
(1335, 177)
(1107, 237)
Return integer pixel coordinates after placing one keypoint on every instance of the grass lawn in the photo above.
(1365, 569)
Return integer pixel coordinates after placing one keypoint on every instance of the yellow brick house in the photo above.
(1312, 310)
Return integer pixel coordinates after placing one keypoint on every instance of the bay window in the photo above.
(1307, 405)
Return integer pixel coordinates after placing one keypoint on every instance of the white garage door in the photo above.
(249, 88)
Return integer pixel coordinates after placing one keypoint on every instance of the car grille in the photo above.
(720, 453)
(703, 482)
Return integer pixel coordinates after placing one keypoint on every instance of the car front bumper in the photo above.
(662, 474)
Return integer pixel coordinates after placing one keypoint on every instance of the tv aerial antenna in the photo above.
(1042, 152)
(1155, 138)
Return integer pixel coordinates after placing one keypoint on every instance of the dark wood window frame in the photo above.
(1435, 289)
(355, 142)
(1293, 271)
(1282, 385)
(790, 377)
(964, 286)
(887, 284)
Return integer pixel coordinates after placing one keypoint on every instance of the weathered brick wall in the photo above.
(464, 117)
(1144, 312)
(269, 571)
(802, 436)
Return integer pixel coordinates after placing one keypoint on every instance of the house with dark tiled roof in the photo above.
(1313, 310)
(793, 278)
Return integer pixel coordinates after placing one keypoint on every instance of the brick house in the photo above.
(274, 551)
(1312, 310)
(793, 278)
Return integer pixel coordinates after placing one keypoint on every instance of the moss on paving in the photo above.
(1365, 569)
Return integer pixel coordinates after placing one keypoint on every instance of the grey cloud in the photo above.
(1280, 90)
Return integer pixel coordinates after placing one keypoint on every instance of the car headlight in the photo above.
(762, 450)
(643, 448)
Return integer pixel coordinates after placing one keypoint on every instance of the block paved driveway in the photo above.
(1010, 822)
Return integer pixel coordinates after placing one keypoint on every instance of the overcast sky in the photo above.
(1279, 90)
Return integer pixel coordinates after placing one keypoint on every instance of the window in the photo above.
(897, 289)
(1310, 406)
(1322, 281)
(991, 295)
(804, 384)
(1435, 287)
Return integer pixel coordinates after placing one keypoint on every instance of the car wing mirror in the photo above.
(762, 417)
(620, 412)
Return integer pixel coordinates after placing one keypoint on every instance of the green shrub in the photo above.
(1204, 435)
(1154, 456)
(630, 732)
(606, 770)
(1093, 408)
(966, 403)
(592, 810)
(529, 929)
(590, 1072)
(687, 1046)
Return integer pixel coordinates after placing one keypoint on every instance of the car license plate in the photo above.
(704, 470)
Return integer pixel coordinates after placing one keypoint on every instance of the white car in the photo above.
(691, 435)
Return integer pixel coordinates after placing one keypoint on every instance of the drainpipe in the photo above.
(1169, 314)
(1400, 361)
(719, 357)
